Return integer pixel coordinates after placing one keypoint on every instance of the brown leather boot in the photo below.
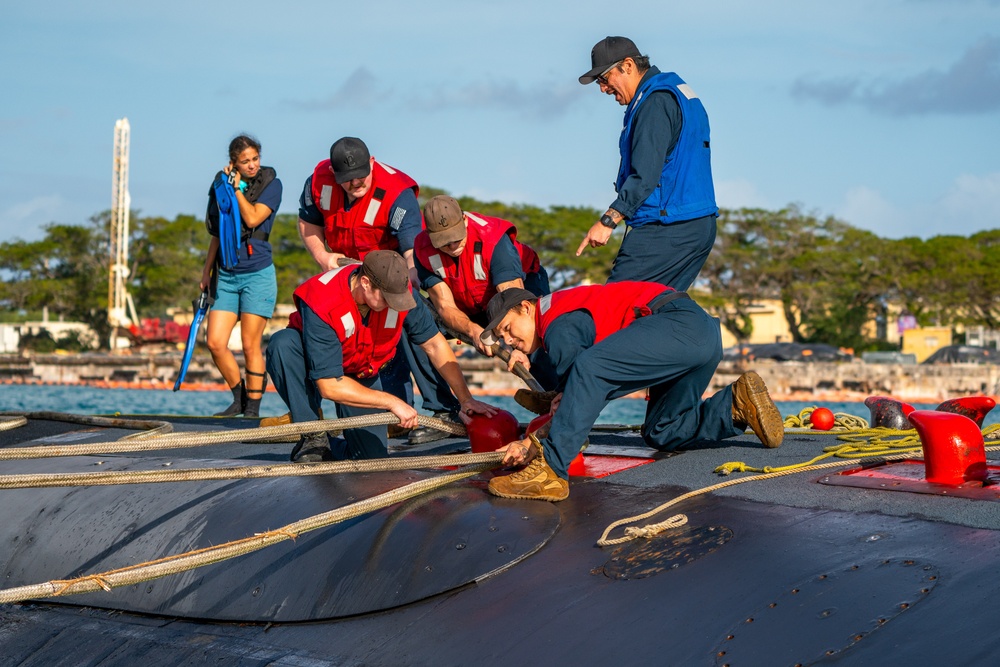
(753, 407)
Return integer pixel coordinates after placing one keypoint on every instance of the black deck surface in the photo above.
(776, 572)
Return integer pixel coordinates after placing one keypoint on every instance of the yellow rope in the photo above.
(861, 443)
(842, 420)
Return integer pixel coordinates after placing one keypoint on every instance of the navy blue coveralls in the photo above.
(674, 352)
(295, 360)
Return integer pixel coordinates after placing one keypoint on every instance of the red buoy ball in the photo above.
(488, 434)
(822, 419)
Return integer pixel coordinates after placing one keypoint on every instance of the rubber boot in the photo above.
(238, 404)
(254, 396)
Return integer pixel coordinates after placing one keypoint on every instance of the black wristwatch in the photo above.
(608, 221)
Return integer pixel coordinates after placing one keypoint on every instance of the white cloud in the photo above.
(24, 220)
(866, 208)
(970, 204)
(974, 200)
(739, 193)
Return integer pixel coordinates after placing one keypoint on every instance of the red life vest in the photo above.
(366, 347)
(365, 227)
(468, 275)
(613, 306)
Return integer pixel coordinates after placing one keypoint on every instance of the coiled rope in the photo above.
(863, 442)
(842, 421)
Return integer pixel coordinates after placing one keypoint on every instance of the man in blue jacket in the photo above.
(664, 183)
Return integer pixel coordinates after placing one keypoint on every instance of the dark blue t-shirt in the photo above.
(261, 256)
(405, 220)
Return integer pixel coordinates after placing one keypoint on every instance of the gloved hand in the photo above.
(234, 179)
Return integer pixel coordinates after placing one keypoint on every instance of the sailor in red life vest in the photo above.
(607, 341)
(465, 258)
(348, 323)
(354, 204)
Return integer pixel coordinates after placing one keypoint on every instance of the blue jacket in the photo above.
(685, 190)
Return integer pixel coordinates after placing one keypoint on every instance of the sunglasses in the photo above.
(603, 77)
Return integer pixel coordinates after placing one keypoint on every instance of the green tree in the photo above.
(166, 258)
(66, 271)
(825, 273)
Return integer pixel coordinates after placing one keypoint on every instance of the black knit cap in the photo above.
(606, 53)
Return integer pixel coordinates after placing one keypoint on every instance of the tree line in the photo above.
(831, 278)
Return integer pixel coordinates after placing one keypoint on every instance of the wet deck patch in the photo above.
(643, 558)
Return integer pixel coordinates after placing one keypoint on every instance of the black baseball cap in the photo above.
(349, 159)
(387, 271)
(606, 53)
(503, 302)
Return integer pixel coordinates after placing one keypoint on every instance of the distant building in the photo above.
(925, 341)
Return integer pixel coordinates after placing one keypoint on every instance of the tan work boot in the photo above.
(537, 481)
(753, 407)
(282, 420)
(277, 421)
(538, 402)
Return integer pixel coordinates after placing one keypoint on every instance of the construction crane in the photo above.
(118, 271)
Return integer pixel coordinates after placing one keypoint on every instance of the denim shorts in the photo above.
(254, 293)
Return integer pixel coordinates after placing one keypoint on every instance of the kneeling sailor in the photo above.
(347, 326)
(607, 341)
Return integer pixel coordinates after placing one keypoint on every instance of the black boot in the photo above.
(419, 436)
(252, 407)
(238, 404)
(312, 448)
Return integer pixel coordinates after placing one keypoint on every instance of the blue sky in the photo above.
(885, 114)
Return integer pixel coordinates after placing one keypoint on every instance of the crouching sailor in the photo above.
(346, 328)
(607, 341)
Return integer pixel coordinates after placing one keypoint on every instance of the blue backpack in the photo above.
(230, 227)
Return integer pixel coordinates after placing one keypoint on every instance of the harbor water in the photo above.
(93, 400)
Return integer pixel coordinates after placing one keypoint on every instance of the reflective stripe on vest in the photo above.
(477, 264)
(437, 266)
(347, 319)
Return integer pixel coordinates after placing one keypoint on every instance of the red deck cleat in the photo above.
(973, 407)
(953, 447)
